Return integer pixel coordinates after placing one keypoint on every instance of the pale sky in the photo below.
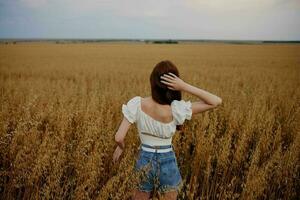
(151, 19)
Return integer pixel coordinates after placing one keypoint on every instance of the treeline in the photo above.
(162, 41)
(169, 41)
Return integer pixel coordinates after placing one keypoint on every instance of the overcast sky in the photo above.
(151, 19)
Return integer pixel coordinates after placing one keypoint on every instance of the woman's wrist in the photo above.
(121, 145)
(185, 87)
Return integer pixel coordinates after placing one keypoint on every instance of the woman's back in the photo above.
(158, 112)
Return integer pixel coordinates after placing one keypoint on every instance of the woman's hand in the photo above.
(117, 154)
(173, 82)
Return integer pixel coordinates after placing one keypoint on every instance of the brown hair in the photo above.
(159, 91)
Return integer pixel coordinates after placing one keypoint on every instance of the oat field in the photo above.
(61, 107)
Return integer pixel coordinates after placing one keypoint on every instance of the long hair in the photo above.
(159, 91)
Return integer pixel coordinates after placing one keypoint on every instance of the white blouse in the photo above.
(151, 131)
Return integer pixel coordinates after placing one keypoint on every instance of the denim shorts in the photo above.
(158, 171)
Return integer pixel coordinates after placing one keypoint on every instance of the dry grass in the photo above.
(61, 106)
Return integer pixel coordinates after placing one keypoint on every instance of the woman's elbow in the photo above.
(218, 102)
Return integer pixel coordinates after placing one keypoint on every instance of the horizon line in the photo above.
(139, 39)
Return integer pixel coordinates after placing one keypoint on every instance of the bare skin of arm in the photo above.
(206, 100)
(120, 137)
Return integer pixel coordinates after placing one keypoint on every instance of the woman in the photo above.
(157, 119)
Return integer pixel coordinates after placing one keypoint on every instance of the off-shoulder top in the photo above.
(151, 131)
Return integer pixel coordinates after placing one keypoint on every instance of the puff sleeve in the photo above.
(129, 110)
(181, 111)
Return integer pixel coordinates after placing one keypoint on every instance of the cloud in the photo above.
(221, 6)
(34, 3)
(234, 19)
(128, 8)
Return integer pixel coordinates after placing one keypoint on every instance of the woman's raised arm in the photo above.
(206, 101)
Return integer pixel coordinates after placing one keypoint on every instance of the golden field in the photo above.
(61, 107)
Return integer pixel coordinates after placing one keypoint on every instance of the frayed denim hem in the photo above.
(142, 190)
(170, 188)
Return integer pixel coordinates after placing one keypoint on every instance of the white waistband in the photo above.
(157, 150)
